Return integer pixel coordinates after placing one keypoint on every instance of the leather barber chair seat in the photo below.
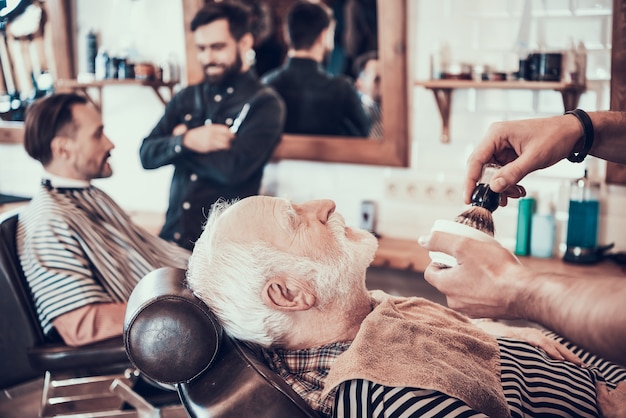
(82, 380)
(173, 338)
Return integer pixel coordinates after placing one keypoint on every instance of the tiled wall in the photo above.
(478, 31)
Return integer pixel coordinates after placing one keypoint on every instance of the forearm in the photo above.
(588, 311)
(157, 152)
(610, 136)
(164, 144)
(91, 323)
(250, 149)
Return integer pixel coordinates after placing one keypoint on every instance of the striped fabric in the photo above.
(78, 247)
(534, 386)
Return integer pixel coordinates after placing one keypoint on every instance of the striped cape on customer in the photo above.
(78, 247)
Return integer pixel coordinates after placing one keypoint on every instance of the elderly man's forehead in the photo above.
(250, 205)
(248, 215)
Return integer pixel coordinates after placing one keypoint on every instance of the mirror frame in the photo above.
(616, 173)
(393, 149)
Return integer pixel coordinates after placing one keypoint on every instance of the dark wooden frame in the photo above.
(393, 149)
(616, 173)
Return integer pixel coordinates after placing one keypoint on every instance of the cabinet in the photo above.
(442, 89)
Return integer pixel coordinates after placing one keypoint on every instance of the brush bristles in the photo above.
(478, 218)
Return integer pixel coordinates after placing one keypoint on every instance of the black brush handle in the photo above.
(484, 197)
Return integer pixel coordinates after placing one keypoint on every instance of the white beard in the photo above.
(354, 257)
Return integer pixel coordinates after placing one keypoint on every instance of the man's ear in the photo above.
(327, 38)
(287, 294)
(246, 42)
(358, 83)
(59, 147)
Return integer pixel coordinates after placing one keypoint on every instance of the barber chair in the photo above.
(173, 338)
(88, 380)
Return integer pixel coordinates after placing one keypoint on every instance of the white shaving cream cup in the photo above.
(451, 227)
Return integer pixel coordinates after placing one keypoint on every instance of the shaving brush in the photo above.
(483, 202)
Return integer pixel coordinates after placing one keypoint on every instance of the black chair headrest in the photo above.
(169, 334)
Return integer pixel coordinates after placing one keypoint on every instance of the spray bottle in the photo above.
(582, 223)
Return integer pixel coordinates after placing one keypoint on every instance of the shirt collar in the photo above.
(59, 182)
(303, 64)
(308, 359)
(233, 84)
(306, 370)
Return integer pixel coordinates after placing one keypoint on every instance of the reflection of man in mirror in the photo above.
(317, 102)
(268, 45)
(361, 29)
(220, 133)
(367, 69)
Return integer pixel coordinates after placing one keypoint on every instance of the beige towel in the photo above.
(412, 342)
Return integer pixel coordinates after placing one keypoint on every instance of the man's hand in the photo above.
(487, 281)
(612, 404)
(521, 147)
(208, 138)
(179, 129)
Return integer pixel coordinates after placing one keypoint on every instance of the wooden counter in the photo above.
(406, 254)
(401, 254)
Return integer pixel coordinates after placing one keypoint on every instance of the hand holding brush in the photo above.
(483, 202)
(476, 222)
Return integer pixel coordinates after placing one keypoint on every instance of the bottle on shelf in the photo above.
(525, 210)
(581, 60)
(92, 51)
(102, 64)
(570, 64)
(543, 229)
(440, 61)
(582, 223)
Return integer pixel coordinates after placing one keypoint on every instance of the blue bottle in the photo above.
(525, 211)
(543, 229)
(582, 224)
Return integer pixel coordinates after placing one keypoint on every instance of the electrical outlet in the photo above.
(368, 215)
(424, 191)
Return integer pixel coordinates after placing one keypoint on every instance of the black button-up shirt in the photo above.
(317, 102)
(200, 179)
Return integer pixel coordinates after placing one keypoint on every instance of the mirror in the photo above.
(393, 149)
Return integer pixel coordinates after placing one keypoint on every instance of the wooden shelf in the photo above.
(11, 132)
(87, 87)
(442, 89)
(404, 254)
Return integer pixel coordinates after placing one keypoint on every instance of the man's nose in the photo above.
(110, 144)
(205, 56)
(323, 209)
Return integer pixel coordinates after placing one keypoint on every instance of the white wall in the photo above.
(409, 200)
(478, 32)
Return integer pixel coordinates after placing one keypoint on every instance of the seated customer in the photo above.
(317, 103)
(291, 278)
(367, 68)
(81, 253)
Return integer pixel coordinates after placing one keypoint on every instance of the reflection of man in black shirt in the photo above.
(317, 103)
(218, 134)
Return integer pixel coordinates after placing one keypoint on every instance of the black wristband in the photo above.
(588, 135)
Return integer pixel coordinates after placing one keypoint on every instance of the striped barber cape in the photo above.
(78, 247)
